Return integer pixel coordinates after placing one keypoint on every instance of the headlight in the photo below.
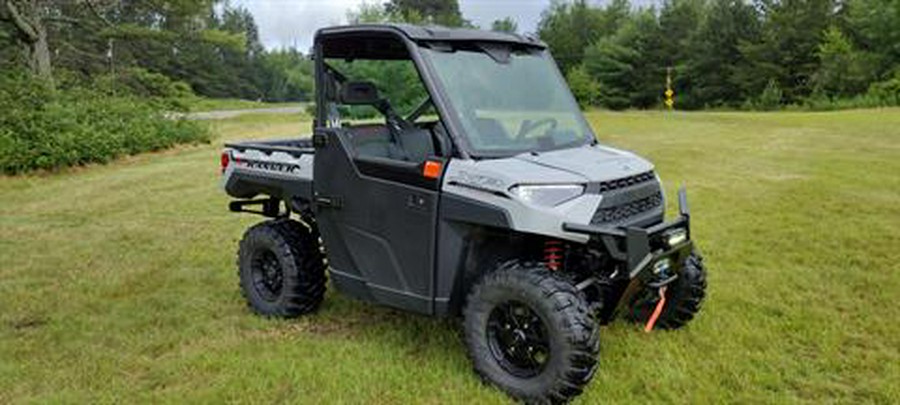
(547, 195)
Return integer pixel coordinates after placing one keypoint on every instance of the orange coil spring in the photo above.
(553, 254)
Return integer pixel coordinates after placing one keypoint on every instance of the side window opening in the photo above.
(383, 103)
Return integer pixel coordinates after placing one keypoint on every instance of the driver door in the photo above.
(377, 217)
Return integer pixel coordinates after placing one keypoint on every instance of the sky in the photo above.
(286, 23)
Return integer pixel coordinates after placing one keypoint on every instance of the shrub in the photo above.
(171, 94)
(888, 91)
(881, 94)
(771, 97)
(43, 128)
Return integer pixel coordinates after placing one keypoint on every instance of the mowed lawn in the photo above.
(117, 282)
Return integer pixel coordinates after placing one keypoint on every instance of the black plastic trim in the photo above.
(408, 173)
(295, 148)
(432, 33)
(637, 251)
(462, 209)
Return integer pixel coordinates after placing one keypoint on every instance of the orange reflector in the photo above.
(432, 169)
(224, 161)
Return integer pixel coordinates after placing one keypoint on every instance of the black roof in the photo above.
(431, 33)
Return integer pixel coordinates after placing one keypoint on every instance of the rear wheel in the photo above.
(684, 297)
(529, 331)
(281, 269)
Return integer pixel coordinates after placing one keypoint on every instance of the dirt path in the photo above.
(225, 114)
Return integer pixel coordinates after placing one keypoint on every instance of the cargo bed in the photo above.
(281, 169)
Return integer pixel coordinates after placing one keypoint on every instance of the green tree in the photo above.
(287, 75)
(843, 71)
(505, 25)
(28, 20)
(441, 12)
(787, 51)
(372, 13)
(715, 56)
(628, 69)
(584, 87)
(568, 29)
(873, 26)
(613, 16)
(148, 47)
(242, 72)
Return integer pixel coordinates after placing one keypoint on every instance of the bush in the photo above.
(888, 91)
(43, 128)
(771, 97)
(171, 94)
(880, 94)
(819, 102)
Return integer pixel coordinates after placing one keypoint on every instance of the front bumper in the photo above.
(642, 249)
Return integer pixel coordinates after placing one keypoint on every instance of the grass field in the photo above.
(117, 282)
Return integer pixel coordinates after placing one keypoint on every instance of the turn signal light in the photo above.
(432, 169)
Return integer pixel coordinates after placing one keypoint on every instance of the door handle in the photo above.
(329, 202)
(417, 202)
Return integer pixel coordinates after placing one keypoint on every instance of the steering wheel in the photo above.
(528, 126)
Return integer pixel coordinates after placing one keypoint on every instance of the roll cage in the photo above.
(402, 42)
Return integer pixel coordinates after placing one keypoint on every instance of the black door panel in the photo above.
(380, 238)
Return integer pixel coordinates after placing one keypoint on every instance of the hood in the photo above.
(588, 164)
(593, 163)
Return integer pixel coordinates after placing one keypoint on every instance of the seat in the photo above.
(416, 144)
(398, 139)
(442, 141)
(375, 141)
(371, 140)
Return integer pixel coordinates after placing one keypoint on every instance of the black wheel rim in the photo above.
(267, 275)
(518, 339)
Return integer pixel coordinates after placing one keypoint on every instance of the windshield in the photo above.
(509, 103)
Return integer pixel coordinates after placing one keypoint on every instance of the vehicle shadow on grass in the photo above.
(341, 317)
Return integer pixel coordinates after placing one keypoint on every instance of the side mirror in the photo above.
(359, 93)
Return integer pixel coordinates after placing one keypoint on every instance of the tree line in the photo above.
(717, 53)
(754, 54)
(728, 53)
(150, 46)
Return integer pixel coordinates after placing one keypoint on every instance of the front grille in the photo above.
(627, 210)
(626, 181)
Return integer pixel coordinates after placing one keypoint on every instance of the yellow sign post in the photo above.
(669, 93)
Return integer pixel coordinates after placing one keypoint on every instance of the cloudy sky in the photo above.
(284, 23)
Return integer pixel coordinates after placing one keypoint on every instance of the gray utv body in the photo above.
(499, 206)
(398, 238)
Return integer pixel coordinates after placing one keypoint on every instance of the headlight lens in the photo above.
(547, 195)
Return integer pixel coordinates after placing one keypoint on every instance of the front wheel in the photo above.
(529, 331)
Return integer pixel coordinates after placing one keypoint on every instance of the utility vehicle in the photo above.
(490, 200)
